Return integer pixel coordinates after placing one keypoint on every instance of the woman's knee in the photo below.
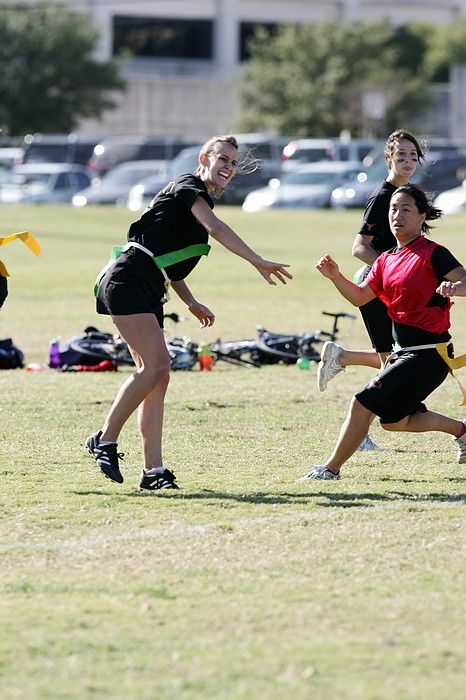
(395, 427)
(357, 409)
(156, 374)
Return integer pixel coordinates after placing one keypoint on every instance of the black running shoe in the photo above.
(159, 478)
(106, 457)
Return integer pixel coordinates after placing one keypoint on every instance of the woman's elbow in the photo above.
(359, 251)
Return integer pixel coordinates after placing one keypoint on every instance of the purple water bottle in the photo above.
(54, 353)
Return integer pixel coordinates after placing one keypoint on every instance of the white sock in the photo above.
(152, 469)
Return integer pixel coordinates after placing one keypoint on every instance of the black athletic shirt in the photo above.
(375, 220)
(168, 223)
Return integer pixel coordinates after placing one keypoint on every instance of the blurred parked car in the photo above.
(437, 148)
(266, 149)
(5, 173)
(308, 186)
(300, 151)
(451, 201)
(41, 183)
(120, 149)
(187, 161)
(436, 175)
(143, 191)
(114, 187)
(10, 156)
(58, 148)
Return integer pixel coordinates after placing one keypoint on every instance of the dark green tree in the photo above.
(49, 79)
(310, 79)
(446, 47)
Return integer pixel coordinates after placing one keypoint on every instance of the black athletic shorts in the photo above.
(3, 289)
(132, 285)
(376, 319)
(403, 384)
(378, 324)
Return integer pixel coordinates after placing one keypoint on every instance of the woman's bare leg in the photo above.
(145, 338)
(353, 430)
(150, 422)
(426, 422)
(363, 358)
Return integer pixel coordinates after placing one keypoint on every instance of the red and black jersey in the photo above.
(405, 279)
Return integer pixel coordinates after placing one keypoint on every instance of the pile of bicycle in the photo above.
(95, 350)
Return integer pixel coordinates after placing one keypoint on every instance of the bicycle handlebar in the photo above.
(341, 314)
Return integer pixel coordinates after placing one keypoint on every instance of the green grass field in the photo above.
(243, 584)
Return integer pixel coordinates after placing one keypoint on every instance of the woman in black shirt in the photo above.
(164, 246)
(402, 154)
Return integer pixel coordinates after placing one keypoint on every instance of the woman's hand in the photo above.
(328, 267)
(447, 289)
(202, 313)
(268, 268)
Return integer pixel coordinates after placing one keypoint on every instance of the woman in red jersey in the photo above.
(415, 281)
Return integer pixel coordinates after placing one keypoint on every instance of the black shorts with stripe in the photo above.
(132, 285)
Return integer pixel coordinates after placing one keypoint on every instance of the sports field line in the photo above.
(82, 543)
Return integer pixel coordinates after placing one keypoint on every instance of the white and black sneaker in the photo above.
(320, 472)
(157, 478)
(461, 445)
(368, 445)
(329, 365)
(106, 456)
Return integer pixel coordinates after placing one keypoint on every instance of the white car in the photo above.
(115, 185)
(306, 187)
(40, 183)
(452, 200)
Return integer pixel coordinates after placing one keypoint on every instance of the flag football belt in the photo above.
(160, 261)
(28, 240)
(442, 349)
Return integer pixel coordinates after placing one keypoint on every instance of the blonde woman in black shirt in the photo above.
(163, 247)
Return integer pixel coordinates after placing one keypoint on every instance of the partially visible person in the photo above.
(29, 241)
(165, 244)
(415, 280)
(3, 289)
(402, 154)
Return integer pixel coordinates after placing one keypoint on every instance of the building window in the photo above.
(162, 38)
(247, 31)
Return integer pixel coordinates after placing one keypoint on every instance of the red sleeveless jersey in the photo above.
(405, 281)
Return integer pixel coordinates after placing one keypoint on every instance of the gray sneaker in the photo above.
(329, 364)
(320, 472)
(368, 445)
(461, 445)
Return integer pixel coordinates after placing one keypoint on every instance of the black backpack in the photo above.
(11, 357)
(92, 347)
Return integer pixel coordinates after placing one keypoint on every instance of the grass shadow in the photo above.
(332, 499)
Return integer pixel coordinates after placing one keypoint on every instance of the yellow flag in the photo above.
(453, 363)
(28, 240)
